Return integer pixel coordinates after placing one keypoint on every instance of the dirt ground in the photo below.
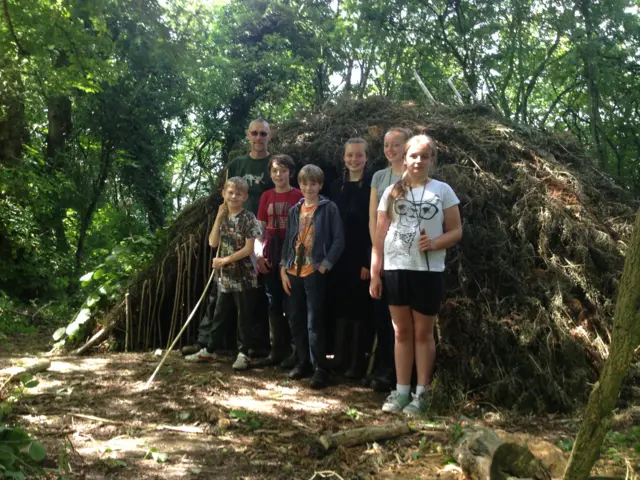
(206, 421)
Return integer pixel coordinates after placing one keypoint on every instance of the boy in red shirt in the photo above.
(272, 215)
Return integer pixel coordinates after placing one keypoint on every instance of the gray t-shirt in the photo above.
(382, 179)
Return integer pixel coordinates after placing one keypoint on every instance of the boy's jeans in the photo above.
(244, 303)
(306, 319)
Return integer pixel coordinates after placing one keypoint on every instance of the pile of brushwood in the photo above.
(530, 288)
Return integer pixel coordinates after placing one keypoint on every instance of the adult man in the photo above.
(254, 169)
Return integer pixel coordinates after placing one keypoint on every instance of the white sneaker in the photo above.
(395, 402)
(201, 356)
(242, 362)
(418, 405)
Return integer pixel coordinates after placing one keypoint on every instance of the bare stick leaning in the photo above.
(175, 340)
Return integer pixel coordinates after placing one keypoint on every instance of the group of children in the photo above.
(375, 250)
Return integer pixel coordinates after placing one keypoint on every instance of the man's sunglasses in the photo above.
(255, 134)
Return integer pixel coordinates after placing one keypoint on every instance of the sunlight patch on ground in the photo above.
(273, 399)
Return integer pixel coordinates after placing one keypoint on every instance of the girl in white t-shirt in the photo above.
(418, 219)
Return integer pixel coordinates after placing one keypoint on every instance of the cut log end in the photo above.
(482, 454)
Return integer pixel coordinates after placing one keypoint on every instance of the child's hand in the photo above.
(364, 273)
(322, 269)
(220, 262)
(223, 210)
(263, 265)
(375, 287)
(286, 283)
(426, 243)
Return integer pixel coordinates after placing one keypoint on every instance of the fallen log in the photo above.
(357, 436)
(483, 455)
(39, 365)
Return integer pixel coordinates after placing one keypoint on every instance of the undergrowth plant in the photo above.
(105, 285)
(19, 452)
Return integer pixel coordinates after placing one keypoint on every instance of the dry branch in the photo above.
(39, 365)
(358, 436)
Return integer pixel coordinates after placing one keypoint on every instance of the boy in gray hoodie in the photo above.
(313, 244)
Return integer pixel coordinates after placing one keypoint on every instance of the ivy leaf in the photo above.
(7, 456)
(37, 451)
(83, 316)
(58, 334)
(239, 414)
(28, 380)
(92, 300)
(86, 278)
(14, 475)
(72, 329)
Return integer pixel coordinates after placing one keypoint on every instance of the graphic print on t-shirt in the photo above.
(253, 179)
(277, 213)
(410, 214)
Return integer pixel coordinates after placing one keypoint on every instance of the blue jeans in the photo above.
(306, 317)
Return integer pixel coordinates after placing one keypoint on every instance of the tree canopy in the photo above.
(115, 115)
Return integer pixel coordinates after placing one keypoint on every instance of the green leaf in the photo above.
(157, 456)
(58, 334)
(16, 436)
(37, 451)
(14, 475)
(92, 300)
(196, 470)
(72, 329)
(86, 277)
(28, 380)
(239, 414)
(7, 456)
(83, 316)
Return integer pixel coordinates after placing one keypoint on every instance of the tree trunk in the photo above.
(625, 338)
(98, 187)
(13, 131)
(589, 54)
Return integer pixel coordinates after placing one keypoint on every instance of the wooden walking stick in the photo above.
(175, 340)
(195, 309)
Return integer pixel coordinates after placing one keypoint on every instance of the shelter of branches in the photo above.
(531, 287)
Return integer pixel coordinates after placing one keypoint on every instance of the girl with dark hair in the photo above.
(351, 305)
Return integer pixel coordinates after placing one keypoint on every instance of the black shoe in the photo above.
(191, 349)
(289, 362)
(381, 384)
(266, 361)
(301, 370)
(258, 352)
(320, 378)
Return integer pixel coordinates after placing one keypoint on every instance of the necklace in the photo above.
(417, 207)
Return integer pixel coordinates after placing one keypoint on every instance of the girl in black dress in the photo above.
(351, 304)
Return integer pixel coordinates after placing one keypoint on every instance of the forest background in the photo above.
(115, 115)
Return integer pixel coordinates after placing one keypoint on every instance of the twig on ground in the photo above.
(326, 474)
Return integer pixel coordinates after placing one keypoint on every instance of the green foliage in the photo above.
(19, 453)
(157, 456)
(115, 115)
(105, 285)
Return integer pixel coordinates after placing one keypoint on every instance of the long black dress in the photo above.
(349, 296)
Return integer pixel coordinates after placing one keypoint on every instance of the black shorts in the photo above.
(422, 291)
